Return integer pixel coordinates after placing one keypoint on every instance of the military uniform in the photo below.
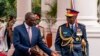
(69, 40)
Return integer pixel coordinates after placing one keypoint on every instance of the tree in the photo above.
(51, 16)
(2, 9)
(7, 7)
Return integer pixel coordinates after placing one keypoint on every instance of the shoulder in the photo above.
(63, 25)
(19, 26)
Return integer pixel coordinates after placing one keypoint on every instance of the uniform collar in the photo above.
(71, 25)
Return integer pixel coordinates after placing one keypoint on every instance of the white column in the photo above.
(23, 6)
(87, 9)
(61, 10)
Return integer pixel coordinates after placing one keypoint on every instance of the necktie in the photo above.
(72, 29)
(30, 33)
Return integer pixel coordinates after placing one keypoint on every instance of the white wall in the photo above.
(87, 8)
(94, 46)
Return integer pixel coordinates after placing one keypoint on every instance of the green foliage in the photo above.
(36, 10)
(7, 7)
(36, 6)
(2, 9)
(98, 2)
(51, 15)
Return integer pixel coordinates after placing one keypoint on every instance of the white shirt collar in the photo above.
(72, 24)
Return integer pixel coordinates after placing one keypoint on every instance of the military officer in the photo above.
(71, 39)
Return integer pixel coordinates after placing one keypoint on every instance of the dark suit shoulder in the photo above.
(63, 25)
(22, 25)
(19, 26)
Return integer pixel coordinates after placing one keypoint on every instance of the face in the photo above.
(71, 19)
(31, 20)
(13, 21)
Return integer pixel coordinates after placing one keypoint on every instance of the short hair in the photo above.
(27, 15)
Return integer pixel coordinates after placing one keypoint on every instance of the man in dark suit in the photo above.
(26, 36)
(71, 39)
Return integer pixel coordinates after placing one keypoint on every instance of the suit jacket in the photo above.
(21, 41)
(66, 31)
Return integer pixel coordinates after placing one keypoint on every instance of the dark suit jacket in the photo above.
(21, 41)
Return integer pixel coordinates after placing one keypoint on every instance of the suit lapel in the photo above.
(26, 33)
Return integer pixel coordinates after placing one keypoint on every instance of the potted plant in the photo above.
(51, 19)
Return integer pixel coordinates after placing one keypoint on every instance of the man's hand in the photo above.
(54, 53)
(83, 42)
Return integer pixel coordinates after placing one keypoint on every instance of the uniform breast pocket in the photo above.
(66, 33)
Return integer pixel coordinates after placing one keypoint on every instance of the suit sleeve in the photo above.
(84, 36)
(16, 41)
(42, 45)
(58, 41)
